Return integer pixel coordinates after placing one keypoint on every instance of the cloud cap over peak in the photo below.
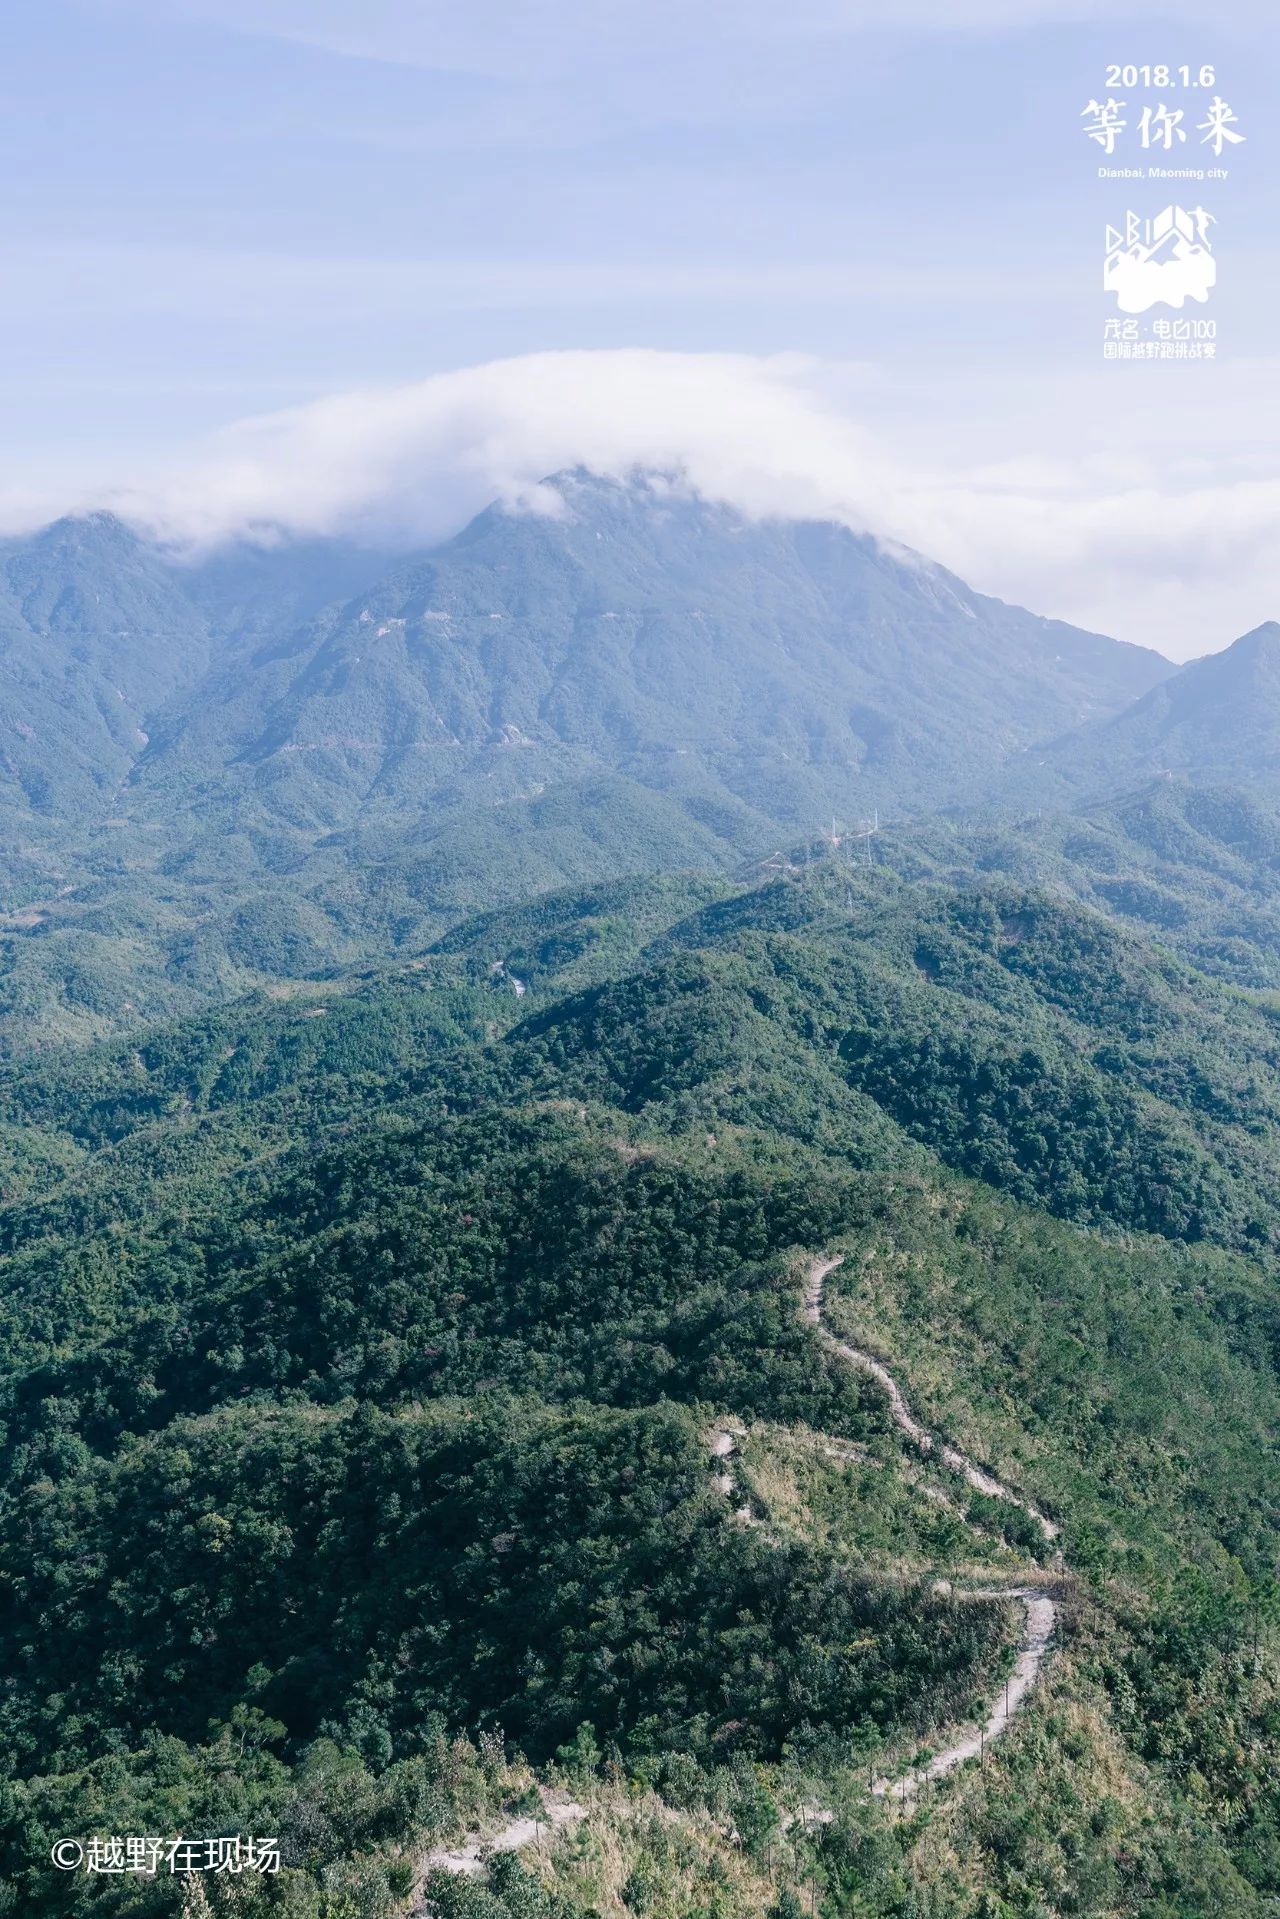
(413, 462)
(1152, 549)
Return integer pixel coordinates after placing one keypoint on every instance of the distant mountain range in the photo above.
(280, 758)
(764, 670)
(100, 632)
(394, 1291)
(1217, 720)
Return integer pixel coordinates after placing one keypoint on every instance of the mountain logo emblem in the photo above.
(1160, 262)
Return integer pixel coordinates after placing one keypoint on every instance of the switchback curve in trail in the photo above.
(1040, 1612)
(903, 1417)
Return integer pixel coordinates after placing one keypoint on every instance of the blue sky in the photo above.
(216, 210)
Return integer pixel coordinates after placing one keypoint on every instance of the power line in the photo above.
(866, 831)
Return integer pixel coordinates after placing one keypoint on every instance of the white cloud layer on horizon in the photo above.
(1147, 544)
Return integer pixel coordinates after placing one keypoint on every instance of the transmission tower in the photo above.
(866, 831)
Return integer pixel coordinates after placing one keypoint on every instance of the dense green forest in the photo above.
(363, 1347)
(240, 772)
(639, 1175)
(236, 770)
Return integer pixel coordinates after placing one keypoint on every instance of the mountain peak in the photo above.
(1250, 662)
(97, 530)
(1216, 721)
(1259, 642)
(641, 486)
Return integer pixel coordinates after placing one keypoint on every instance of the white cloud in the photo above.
(1145, 541)
(416, 461)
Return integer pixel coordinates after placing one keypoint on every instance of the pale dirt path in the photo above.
(903, 1417)
(468, 1856)
(723, 1443)
(1040, 1611)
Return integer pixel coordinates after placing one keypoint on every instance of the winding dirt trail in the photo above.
(903, 1417)
(1040, 1611)
(468, 1855)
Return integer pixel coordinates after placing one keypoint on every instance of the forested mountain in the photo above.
(100, 632)
(760, 672)
(1197, 866)
(481, 1149)
(359, 1350)
(1218, 720)
(96, 633)
(240, 769)
(794, 665)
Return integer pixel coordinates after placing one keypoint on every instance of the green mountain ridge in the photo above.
(360, 1354)
(641, 682)
(1195, 865)
(435, 1059)
(1215, 721)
